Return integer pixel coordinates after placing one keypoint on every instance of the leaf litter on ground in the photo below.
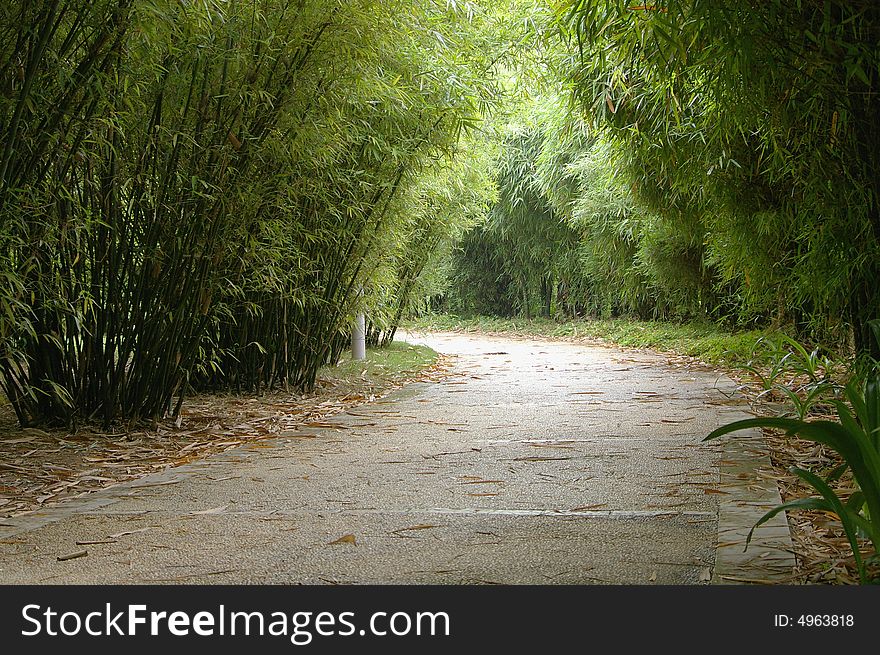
(41, 467)
(819, 543)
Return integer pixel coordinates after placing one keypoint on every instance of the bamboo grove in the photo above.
(753, 127)
(703, 159)
(198, 195)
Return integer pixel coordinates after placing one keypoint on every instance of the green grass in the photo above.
(706, 341)
(389, 364)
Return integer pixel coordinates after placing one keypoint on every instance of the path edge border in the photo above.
(746, 496)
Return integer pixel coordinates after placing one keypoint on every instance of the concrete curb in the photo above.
(769, 558)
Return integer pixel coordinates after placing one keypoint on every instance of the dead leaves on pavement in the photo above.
(40, 467)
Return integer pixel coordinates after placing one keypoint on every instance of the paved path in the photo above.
(537, 462)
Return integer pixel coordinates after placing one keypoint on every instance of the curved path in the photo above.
(535, 462)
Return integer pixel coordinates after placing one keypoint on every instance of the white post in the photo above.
(359, 337)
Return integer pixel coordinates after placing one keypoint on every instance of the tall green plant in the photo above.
(758, 120)
(57, 65)
(856, 438)
(119, 255)
(349, 223)
(193, 194)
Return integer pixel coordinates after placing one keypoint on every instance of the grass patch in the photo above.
(389, 364)
(705, 341)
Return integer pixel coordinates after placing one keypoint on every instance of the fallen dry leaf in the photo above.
(538, 459)
(126, 533)
(213, 510)
(728, 544)
(423, 526)
(9, 442)
(345, 539)
(586, 508)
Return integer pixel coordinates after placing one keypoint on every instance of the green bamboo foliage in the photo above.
(193, 194)
(517, 253)
(757, 120)
(347, 214)
(448, 199)
(58, 62)
(571, 236)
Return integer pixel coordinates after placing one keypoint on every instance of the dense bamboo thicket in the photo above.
(435, 213)
(568, 236)
(713, 160)
(512, 262)
(192, 195)
(202, 195)
(755, 125)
